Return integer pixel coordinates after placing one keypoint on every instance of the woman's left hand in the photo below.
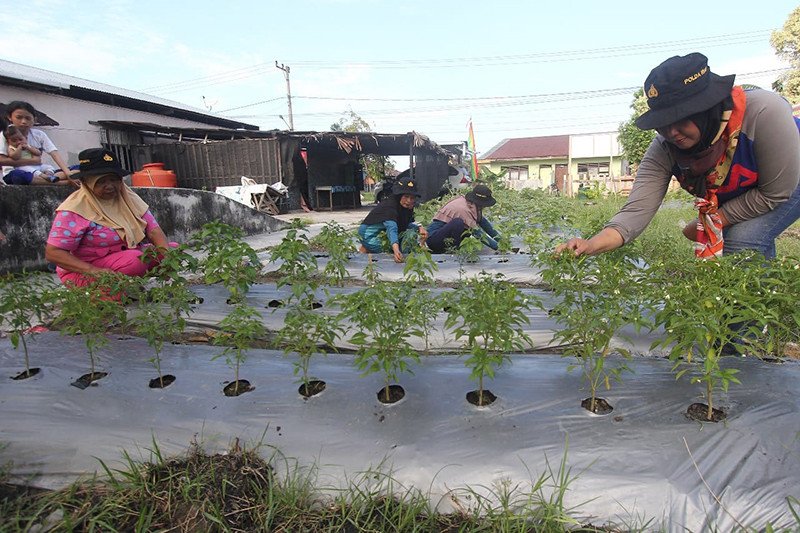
(690, 230)
(423, 234)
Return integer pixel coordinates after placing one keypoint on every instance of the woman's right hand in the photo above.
(607, 239)
(398, 256)
(577, 246)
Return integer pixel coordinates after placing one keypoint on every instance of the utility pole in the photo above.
(285, 70)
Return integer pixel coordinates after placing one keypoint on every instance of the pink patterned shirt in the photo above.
(88, 240)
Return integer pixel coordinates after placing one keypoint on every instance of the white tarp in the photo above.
(630, 466)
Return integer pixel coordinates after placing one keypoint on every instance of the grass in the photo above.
(240, 491)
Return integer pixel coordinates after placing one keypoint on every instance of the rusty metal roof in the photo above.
(530, 148)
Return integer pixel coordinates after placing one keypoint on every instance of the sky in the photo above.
(514, 68)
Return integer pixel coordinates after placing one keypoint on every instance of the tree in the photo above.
(634, 141)
(786, 43)
(376, 166)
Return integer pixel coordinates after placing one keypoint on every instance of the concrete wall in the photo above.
(74, 132)
(26, 214)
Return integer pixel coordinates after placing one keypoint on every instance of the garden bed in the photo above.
(630, 465)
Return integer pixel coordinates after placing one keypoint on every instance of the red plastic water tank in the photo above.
(154, 175)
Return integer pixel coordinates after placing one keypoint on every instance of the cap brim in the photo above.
(121, 172)
(718, 89)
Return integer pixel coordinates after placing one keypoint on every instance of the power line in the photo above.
(484, 61)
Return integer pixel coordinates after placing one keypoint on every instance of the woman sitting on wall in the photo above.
(103, 226)
(389, 219)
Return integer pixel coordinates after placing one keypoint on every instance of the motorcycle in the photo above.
(384, 188)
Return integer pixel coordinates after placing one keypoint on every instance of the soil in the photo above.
(165, 381)
(25, 374)
(275, 303)
(87, 380)
(315, 386)
(601, 406)
(487, 398)
(237, 388)
(698, 411)
(396, 393)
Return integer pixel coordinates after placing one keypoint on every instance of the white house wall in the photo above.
(74, 132)
(595, 145)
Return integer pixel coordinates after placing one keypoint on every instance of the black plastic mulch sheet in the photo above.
(627, 467)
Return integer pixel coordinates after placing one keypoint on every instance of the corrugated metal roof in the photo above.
(530, 148)
(9, 69)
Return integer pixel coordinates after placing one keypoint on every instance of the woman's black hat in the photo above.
(481, 196)
(98, 161)
(405, 186)
(680, 87)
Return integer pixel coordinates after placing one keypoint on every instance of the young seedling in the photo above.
(229, 260)
(298, 268)
(383, 324)
(88, 311)
(708, 306)
(419, 269)
(489, 313)
(780, 286)
(470, 248)
(596, 297)
(162, 316)
(24, 299)
(238, 332)
(337, 242)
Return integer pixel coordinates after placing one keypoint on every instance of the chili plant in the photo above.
(298, 267)
(780, 287)
(596, 296)
(337, 242)
(228, 260)
(162, 316)
(384, 323)
(708, 306)
(424, 306)
(489, 313)
(88, 311)
(470, 248)
(25, 299)
(238, 331)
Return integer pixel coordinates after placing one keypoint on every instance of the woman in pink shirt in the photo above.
(103, 226)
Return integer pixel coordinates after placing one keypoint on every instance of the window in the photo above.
(515, 173)
(546, 173)
(593, 171)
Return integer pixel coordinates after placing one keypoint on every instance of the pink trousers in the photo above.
(125, 262)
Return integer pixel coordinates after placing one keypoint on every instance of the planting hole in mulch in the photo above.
(699, 411)
(396, 393)
(487, 398)
(165, 381)
(275, 303)
(315, 386)
(25, 374)
(315, 305)
(88, 379)
(237, 388)
(197, 300)
(515, 250)
(601, 406)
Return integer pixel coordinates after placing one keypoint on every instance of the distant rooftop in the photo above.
(530, 148)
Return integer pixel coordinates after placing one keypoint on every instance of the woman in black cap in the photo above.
(103, 226)
(390, 219)
(459, 214)
(736, 150)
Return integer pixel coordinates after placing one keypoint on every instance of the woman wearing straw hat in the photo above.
(390, 219)
(103, 226)
(463, 213)
(737, 151)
